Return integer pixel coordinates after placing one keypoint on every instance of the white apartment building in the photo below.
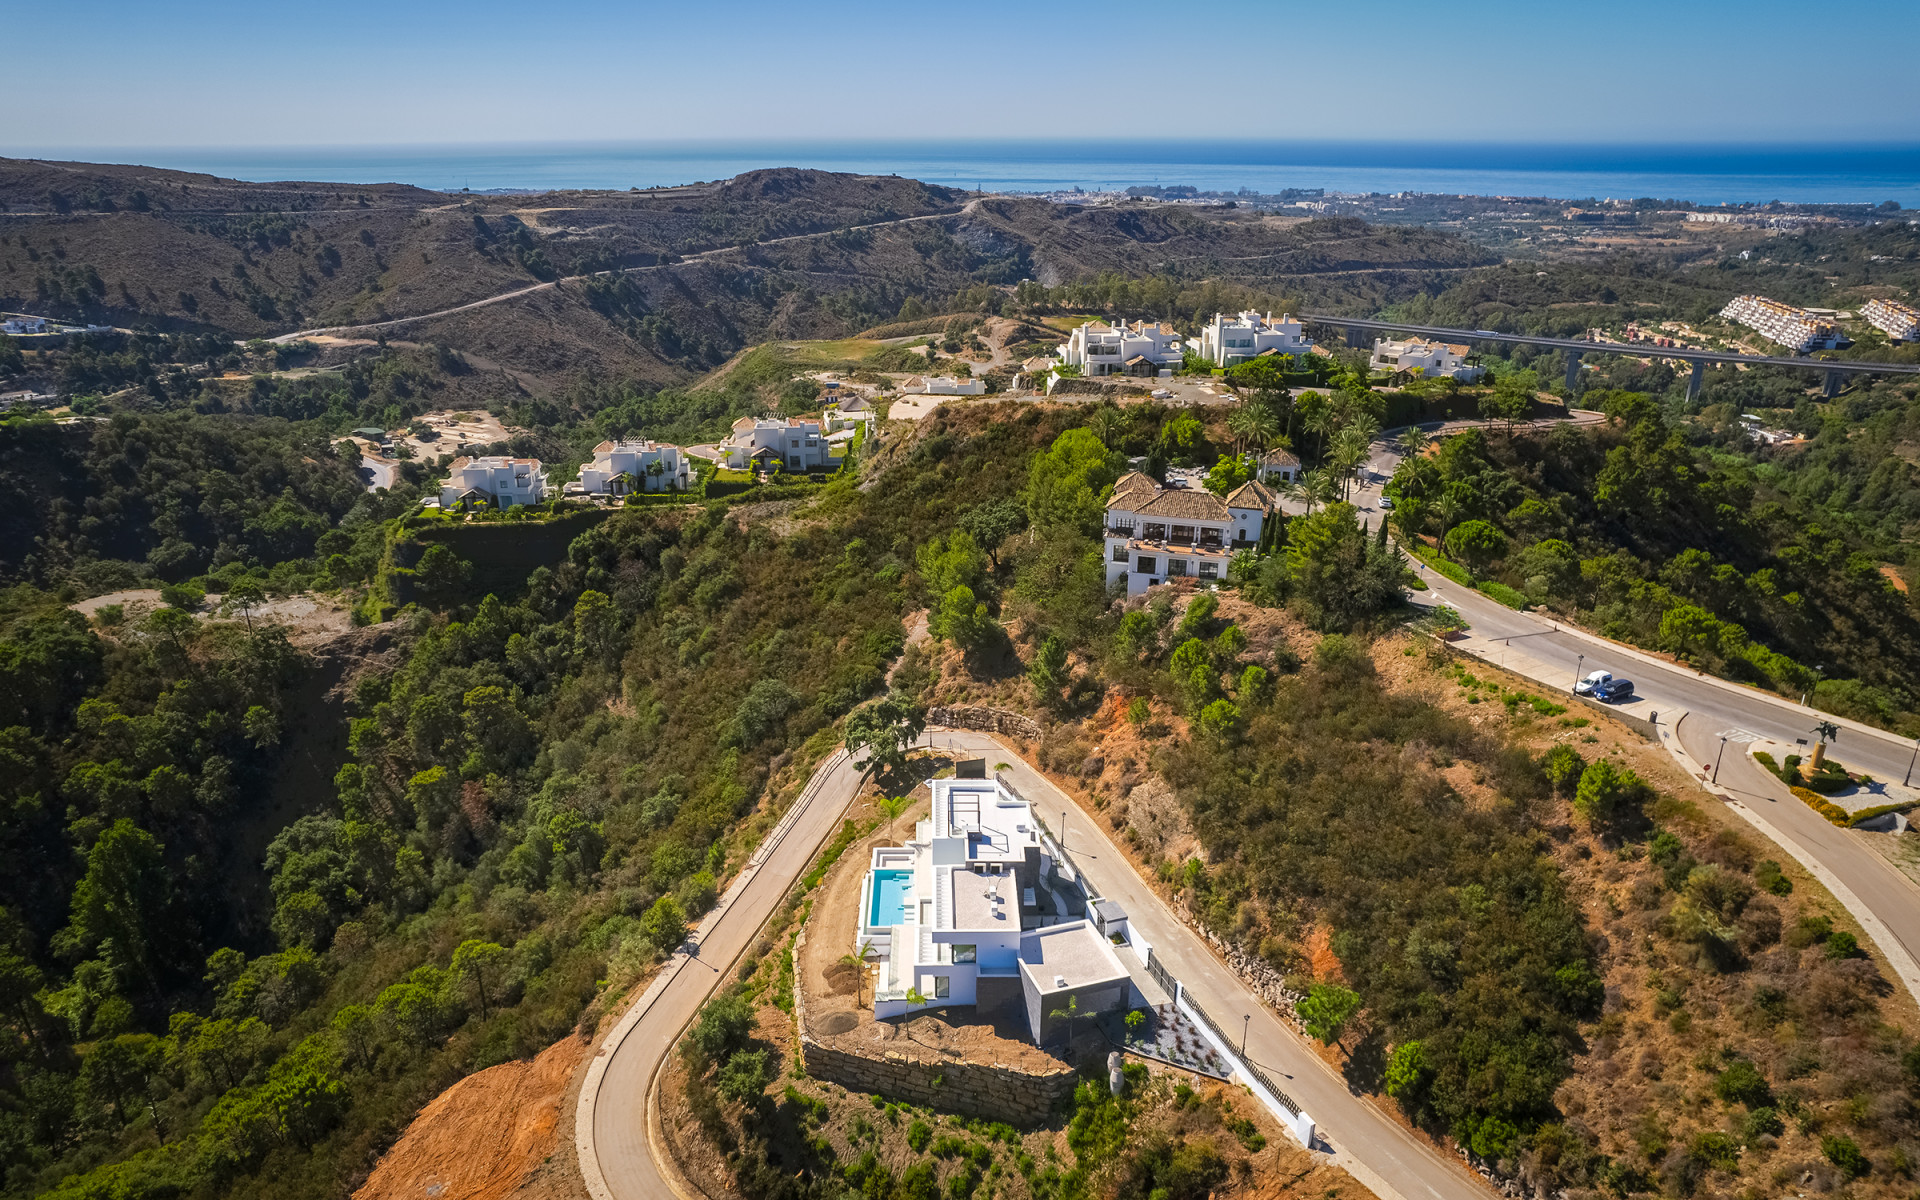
(1898, 321)
(795, 444)
(1122, 349)
(506, 482)
(1434, 360)
(21, 325)
(1795, 328)
(942, 916)
(1155, 534)
(1228, 340)
(638, 465)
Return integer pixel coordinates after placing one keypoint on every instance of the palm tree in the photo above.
(858, 961)
(1105, 422)
(1824, 732)
(1252, 424)
(1352, 446)
(1412, 441)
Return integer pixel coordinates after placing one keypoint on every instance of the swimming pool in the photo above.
(892, 893)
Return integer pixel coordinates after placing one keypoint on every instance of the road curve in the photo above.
(617, 1159)
(610, 1121)
(1390, 1160)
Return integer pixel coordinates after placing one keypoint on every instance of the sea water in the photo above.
(1700, 174)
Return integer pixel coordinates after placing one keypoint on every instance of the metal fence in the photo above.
(1165, 979)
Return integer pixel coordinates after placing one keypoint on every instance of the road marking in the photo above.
(1741, 735)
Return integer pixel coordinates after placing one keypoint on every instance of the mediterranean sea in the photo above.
(1700, 174)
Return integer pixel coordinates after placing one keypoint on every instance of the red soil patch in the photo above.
(484, 1137)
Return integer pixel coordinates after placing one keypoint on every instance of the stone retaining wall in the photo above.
(985, 720)
(992, 1091)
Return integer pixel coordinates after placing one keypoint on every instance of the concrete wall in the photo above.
(1107, 997)
(991, 1091)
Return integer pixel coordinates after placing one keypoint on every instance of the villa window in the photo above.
(1176, 567)
(1210, 537)
(1147, 566)
(941, 987)
(1181, 535)
(964, 953)
(1154, 533)
(1119, 554)
(1209, 570)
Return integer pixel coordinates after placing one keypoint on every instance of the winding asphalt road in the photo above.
(517, 293)
(612, 1121)
(1695, 711)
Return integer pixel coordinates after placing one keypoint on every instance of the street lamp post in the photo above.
(1716, 758)
(1577, 664)
(1063, 829)
(1243, 1034)
(1908, 781)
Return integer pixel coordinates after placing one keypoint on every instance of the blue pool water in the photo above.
(892, 892)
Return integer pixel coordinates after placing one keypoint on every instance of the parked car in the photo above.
(1590, 681)
(1614, 690)
(1386, 502)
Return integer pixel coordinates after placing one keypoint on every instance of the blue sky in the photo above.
(218, 73)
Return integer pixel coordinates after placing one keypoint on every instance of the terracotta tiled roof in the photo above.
(1279, 457)
(1253, 494)
(1185, 504)
(1131, 488)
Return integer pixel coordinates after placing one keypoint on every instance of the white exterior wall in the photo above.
(1248, 523)
(510, 481)
(637, 459)
(799, 443)
(1105, 349)
(1132, 549)
(1228, 340)
(1432, 359)
(1898, 321)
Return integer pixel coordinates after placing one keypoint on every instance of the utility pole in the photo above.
(1723, 753)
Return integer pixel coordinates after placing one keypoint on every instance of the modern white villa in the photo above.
(633, 466)
(1227, 340)
(794, 443)
(1122, 349)
(1156, 533)
(1433, 360)
(942, 385)
(495, 479)
(953, 918)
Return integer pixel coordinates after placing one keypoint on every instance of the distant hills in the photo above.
(649, 285)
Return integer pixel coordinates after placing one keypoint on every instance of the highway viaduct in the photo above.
(1836, 369)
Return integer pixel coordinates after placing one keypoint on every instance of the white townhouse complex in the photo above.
(1155, 534)
(954, 916)
(795, 444)
(638, 465)
(1795, 328)
(1434, 360)
(1122, 349)
(1901, 322)
(505, 482)
(1228, 340)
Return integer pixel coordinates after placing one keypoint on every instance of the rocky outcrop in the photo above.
(985, 720)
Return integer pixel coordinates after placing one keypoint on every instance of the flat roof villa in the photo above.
(953, 915)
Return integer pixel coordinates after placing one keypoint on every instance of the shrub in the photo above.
(1842, 945)
(1769, 876)
(1762, 1122)
(1844, 1153)
(1605, 790)
(1508, 596)
(1826, 808)
(918, 1135)
(1742, 1083)
(1562, 765)
(1716, 1150)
